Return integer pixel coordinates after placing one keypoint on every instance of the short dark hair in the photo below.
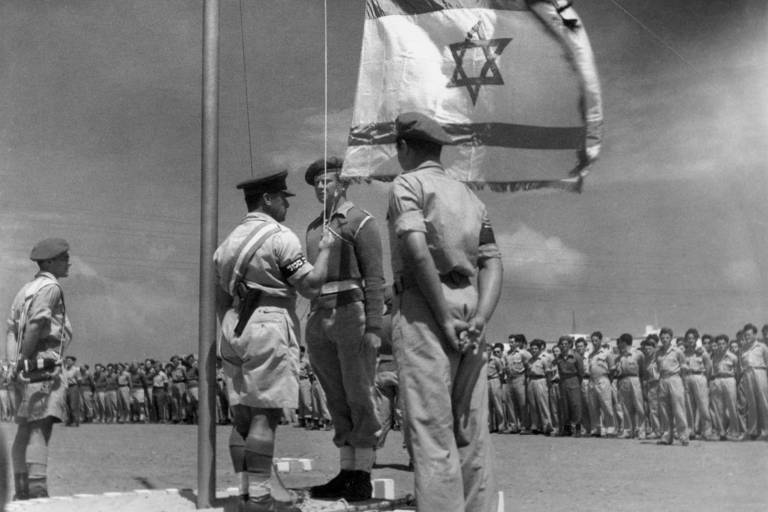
(499, 346)
(423, 147)
(693, 331)
(538, 343)
(653, 339)
(666, 330)
(519, 338)
(596, 334)
(722, 337)
(750, 327)
(625, 338)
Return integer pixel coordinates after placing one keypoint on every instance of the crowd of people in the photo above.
(691, 387)
(125, 392)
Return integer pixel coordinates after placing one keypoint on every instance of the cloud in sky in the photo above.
(742, 274)
(305, 144)
(534, 259)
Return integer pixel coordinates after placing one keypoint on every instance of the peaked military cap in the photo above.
(266, 184)
(333, 164)
(48, 249)
(417, 126)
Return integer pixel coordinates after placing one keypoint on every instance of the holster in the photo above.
(249, 301)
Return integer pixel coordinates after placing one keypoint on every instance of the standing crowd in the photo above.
(693, 387)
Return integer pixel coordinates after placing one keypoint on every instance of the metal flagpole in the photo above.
(206, 428)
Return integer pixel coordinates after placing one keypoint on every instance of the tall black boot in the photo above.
(21, 483)
(359, 486)
(335, 488)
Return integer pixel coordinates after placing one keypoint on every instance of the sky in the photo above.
(100, 145)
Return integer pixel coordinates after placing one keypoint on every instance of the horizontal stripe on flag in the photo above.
(487, 134)
(379, 8)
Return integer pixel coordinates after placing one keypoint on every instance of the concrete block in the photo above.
(500, 508)
(84, 496)
(283, 466)
(383, 488)
(306, 464)
(112, 494)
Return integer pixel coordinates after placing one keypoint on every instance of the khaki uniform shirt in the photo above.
(756, 356)
(515, 362)
(275, 266)
(454, 221)
(670, 362)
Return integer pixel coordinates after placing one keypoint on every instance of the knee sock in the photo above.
(364, 459)
(347, 458)
(237, 451)
(258, 456)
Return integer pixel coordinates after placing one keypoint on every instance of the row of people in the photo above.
(707, 388)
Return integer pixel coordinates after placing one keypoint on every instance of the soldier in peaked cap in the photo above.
(260, 267)
(343, 331)
(441, 241)
(38, 333)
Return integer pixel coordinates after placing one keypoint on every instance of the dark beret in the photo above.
(417, 126)
(333, 164)
(272, 183)
(48, 249)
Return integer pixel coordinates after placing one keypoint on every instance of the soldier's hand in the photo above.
(456, 333)
(327, 240)
(372, 339)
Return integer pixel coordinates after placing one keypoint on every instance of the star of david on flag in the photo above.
(513, 81)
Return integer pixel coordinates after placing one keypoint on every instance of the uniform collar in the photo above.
(428, 164)
(45, 274)
(343, 209)
(259, 216)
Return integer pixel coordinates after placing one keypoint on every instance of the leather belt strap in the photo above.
(340, 286)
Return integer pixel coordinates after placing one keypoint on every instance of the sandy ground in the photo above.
(535, 473)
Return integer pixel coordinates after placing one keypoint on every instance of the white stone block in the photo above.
(500, 508)
(283, 466)
(306, 464)
(383, 488)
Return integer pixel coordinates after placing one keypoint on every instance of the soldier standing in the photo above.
(71, 373)
(38, 333)
(344, 329)
(447, 277)
(670, 362)
(260, 266)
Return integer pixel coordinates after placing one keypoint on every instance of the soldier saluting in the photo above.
(260, 267)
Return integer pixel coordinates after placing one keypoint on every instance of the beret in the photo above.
(332, 164)
(417, 126)
(48, 249)
(271, 183)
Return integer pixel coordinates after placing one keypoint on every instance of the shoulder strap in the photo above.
(246, 251)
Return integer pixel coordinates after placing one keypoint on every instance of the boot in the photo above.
(21, 483)
(359, 487)
(38, 487)
(335, 488)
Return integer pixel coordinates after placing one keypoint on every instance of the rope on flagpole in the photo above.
(245, 83)
(325, 110)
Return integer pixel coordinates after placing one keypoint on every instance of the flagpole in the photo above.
(206, 428)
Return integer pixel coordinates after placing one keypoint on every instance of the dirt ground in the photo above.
(535, 473)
